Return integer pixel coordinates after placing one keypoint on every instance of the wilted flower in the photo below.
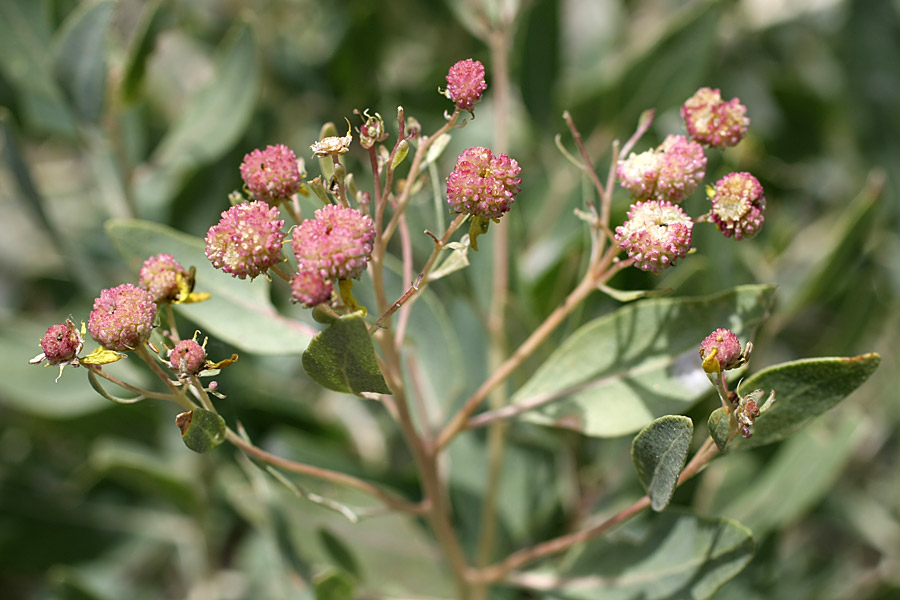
(482, 184)
(656, 234)
(247, 240)
(122, 318)
(336, 244)
(310, 289)
(710, 120)
(372, 131)
(737, 205)
(465, 83)
(271, 175)
(333, 145)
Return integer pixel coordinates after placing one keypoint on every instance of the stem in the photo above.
(131, 388)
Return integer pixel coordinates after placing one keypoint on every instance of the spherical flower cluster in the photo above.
(483, 185)
(61, 343)
(159, 276)
(310, 288)
(336, 244)
(271, 175)
(670, 172)
(737, 205)
(721, 351)
(656, 234)
(710, 120)
(122, 318)
(247, 240)
(465, 83)
(187, 357)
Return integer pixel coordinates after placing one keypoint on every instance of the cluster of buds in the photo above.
(465, 83)
(271, 175)
(672, 171)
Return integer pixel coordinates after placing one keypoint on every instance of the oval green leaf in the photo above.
(804, 389)
(239, 312)
(658, 453)
(342, 358)
(617, 373)
(719, 425)
(201, 430)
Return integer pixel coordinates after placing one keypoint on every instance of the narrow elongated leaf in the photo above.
(80, 58)
(617, 373)
(141, 47)
(678, 556)
(659, 452)
(804, 389)
(342, 358)
(239, 312)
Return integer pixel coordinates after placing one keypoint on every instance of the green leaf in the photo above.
(335, 585)
(211, 123)
(80, 58)
(342, 358)
(719, 425)
(201, 430)
(678, 556)
(239, 312)
(141, 48)
(26, 63)
(617, 373)
(658, 453)
(804, 389)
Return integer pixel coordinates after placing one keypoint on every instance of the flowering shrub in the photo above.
(341, 277)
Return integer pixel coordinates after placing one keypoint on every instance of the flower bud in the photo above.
(247, 240)
(483, 185)
(187, 357)
(737, 205)
(712, 121)
(721, 351)
(336, 244)
(465, 83)
(122, 318)
(271, 175)
(656, 234)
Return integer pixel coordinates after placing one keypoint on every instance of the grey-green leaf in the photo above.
(719, 425)
(659, 452)
(240, 312)
(678, 556)
(80, 58)
(342, 358)
(201, 430)
(804, 389)
(617, 373)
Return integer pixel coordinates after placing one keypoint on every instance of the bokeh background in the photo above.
(133, 109)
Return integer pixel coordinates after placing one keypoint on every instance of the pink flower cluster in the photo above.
(247, 240)
(723, 347)
(670, 172)
(271, 175)
(159, 276)
(713, 121)
(465, 83)
(737, 205)
(122, 318)
(187, 357)
(483, 184)
(656, 234)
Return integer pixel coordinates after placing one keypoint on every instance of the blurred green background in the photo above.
(132, 109)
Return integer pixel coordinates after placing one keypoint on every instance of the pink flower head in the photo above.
(122, 318)
(712, 121)
(271, 175)
(483, 185)
(670, 172)
(465, 83)
(737, 205)
(721, 351)
(61, 343)
(336, 244)
(310, 288)
(247, 240)
(159, 276)
(187, 357)
(656, 234)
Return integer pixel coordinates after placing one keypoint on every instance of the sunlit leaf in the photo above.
(659, 452)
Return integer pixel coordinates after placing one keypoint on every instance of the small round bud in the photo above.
(465, 83)
(656, 234)
(737, 205)
(61, 343)
(247, 240)
(336, 244)
(712, 121)
(720, 351)
(271, 175)
(187, 357)
(310, 288)
(122, 318)
(483, 185)
(159, 276)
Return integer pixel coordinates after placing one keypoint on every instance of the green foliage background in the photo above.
(124, 109)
